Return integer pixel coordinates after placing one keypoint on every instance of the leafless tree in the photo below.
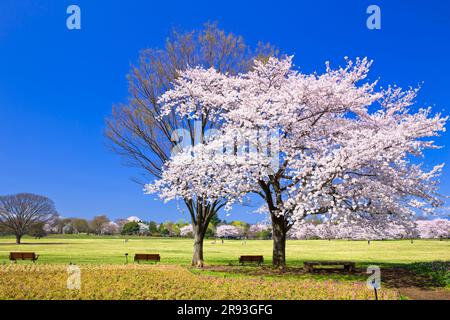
(20, 211)
(98, 223)
(136, 130)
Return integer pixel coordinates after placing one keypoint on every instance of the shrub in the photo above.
(130, 228)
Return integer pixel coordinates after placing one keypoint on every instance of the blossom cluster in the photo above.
(343, 146)
(377, 228)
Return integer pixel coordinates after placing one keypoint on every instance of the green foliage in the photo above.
(210, 231)
(264, 235)
(242, 224)
(153, 227)
(130, 228)
(215, 220)
(162, 229)
(439, 271)
(172, 228)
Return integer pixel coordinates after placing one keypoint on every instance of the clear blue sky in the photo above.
(57, 86)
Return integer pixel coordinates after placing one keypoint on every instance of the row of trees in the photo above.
(36, 216)
(237, 229)
(101, 225)
(370, 230)
(212, 121)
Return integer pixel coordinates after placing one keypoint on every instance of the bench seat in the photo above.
(308, 266)
(251, 259)
(14, 256)
(147, 257)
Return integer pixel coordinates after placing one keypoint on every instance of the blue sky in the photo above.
(57, 86)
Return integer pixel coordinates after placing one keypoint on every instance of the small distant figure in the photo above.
(368, 241)
(222, 241)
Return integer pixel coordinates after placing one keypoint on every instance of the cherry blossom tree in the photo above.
(228, 231)
(136, 129)
(357, 227)
(110, 228)
(326, 231)
(186, 231)
(303, 231)
(259, 230)
(308, 144)
(434, 229)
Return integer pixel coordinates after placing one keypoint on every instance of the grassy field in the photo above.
(105, 275)
(111, 250)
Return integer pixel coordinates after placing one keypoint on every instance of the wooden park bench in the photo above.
(308, 266)
(146, 257)
(14, 256)
(250, 259)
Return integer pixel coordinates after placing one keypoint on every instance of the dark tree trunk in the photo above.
(279, 241)
(18, 237)
(197, 258)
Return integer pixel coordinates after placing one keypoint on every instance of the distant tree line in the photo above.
(102, 225)
(36, 216)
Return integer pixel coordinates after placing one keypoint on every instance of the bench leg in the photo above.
(308, 268)
(349, 268)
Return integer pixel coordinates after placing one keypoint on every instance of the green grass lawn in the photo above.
(104, 275)
(111, 250)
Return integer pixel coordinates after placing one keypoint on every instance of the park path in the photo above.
(415, 293)
(412, 285)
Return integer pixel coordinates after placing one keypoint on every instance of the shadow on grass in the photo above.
(423, 275)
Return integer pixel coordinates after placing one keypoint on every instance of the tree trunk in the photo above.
(279, 241)
(18, 237)
(197, 258)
